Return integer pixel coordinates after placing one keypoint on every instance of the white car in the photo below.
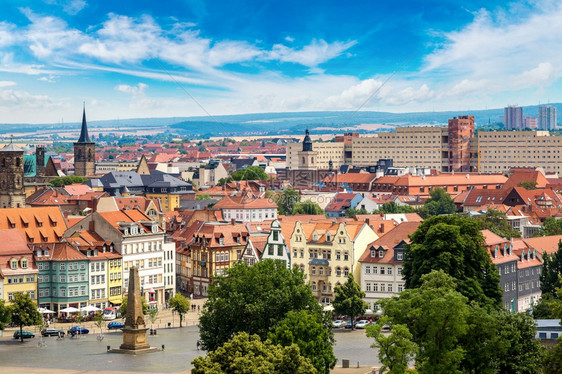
(338, 323)
(362, 324)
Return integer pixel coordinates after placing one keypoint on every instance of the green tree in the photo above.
(436, 316)
(180, 304)
(123, 307)
(286, 200)
(551, 272)
(69, 179)
(153, 316)
(312, 334)
(391, 207)
(496, 222)
(98, 321)
(24, 311)
(551, 226)
(202, 196)
(525, 353)
(395, 350)
(528, 185)
(455, 245)
(5, 314)
(349, 299)
(440, 202)
(248, 354)
(250, 173)
(352, 212)
(307, 207)
(253, 299)
(224, 181)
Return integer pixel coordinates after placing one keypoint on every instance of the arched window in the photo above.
(18, 161)
(338, 272)
(345, 272)
(313, 286)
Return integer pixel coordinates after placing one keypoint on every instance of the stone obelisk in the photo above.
(134, 332)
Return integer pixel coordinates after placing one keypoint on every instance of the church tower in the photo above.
(84, 152)
(12, 192)
(307, 156)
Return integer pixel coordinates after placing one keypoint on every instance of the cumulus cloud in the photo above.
(542, 75)
(16, 98)
(138, 96)
(71, 7)
(467, 86)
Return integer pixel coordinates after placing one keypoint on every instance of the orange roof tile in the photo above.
(390, 240)
(36, 223)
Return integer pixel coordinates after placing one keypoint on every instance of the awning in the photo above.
(151, 290)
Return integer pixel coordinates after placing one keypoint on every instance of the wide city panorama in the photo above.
(225, 187)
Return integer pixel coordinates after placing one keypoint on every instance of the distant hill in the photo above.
(284, 123)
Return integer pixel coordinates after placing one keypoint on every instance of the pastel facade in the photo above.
(18, 272)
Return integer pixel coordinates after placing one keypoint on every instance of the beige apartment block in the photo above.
(418, 146)
(498, 151)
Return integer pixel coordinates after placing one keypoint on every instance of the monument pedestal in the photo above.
(134, 342)
(134, 332)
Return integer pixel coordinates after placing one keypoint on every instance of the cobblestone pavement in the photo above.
(87, 354)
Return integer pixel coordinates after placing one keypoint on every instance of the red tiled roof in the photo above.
(390, 240)
(244, 202)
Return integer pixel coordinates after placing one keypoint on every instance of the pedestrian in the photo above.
(198, 344)
(191, 296)
(198, 308)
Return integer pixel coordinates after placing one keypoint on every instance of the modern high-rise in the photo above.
(547, 117)
(513, 117)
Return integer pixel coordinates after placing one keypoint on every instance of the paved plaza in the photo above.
(88, 354)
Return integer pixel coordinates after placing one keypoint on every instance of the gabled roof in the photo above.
(388, 242)
(62, 251)
(526, 175)
(13, 243)
(244, 202)
(544, 244)
(480, 196)
(38, 224)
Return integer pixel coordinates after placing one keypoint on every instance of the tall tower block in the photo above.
(84, 152)
(12, 192)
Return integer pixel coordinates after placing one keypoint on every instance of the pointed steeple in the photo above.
(84, 137)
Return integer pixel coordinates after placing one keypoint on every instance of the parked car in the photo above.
(362, 324)
(77, 330)
(52, 332)
(25, 334)
(338, 323)
(115, 325)
(348, 324)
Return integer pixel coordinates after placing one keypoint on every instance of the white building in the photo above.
(381, 264)
(98, 282)
(247, 209)
(169, 270)
(276, 247)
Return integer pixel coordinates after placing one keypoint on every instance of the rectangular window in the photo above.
(382, 270)
(389, 271)
(367, 270)
(383, 286)
(400, 288)
(390, 287)
(62, 266)
(368, 287)
(375, 287)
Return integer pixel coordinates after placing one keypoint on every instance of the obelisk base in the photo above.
(134, 342)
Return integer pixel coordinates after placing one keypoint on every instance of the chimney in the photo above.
(232, 221)
(381, 228)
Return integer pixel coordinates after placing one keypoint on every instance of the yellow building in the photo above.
(328, 251)
(114, 274)
(17, 266)
(168, 201)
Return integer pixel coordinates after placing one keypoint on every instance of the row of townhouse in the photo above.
(87, 263)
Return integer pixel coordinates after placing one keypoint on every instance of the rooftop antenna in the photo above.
(11, 139)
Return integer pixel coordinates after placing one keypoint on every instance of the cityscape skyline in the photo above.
(144, 60)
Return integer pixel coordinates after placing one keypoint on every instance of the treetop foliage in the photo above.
(455, 245)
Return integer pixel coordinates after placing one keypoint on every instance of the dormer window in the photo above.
(328, 238)
(24, 263)
(373, 253)
(154, 228)
(111, 248)
(39, 253)
(315, 237)
(126, 232)
(381, 253)
(14, 264)
(46, 251)
(95, 252)
(221, 241)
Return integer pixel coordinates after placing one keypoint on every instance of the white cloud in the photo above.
(8, 34)
(467, 86)
(16, 98)
(8, 65)
(542, 75)
(133, 90)
(312, 55)
(71, 7)
(7, 84)
(139, 100)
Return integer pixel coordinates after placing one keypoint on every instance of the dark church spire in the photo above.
(307, 142)
(84, 137)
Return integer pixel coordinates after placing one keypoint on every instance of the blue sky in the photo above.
(144, 58)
